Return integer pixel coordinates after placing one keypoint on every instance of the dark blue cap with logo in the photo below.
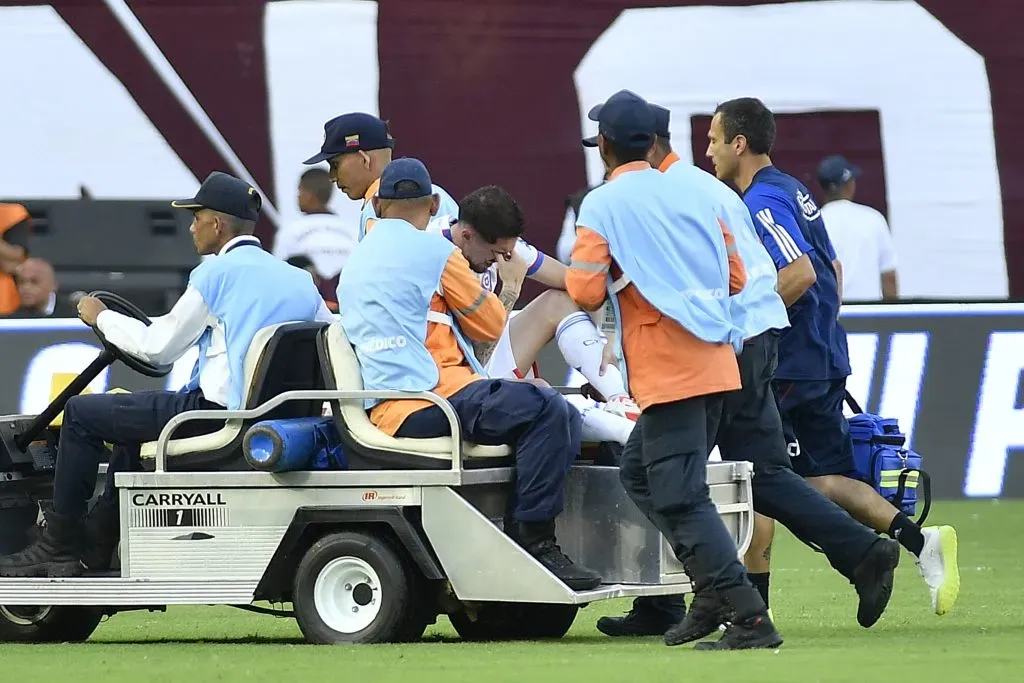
(661, 119)
(352, 133)
(836, 170)
(409, 173)
(626, 119)
(227, 194)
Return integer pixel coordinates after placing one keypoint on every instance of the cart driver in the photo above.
(399, 297)
(228, 299)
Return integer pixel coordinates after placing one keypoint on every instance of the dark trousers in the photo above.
(542, 427)
(125, 420)
(752, 430)
(664, 471)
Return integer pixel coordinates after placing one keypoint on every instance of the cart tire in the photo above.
(352, 587)
(28, 624)
(515, 621)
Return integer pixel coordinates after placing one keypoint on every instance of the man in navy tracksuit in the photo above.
(810, 381)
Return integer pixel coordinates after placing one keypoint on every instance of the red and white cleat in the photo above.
(623, 406)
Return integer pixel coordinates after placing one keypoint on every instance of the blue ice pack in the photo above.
(883, 461)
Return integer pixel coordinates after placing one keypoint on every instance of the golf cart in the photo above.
(411, 529)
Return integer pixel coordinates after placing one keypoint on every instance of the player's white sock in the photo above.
(599, 425)
(582, 347)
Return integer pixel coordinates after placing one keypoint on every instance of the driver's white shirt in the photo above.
(489, 278)
(170, 336)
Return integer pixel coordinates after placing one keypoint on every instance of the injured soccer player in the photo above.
(488, 233)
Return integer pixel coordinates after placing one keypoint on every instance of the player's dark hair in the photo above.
(317, 182)
(493, 213)
(663, 145)
(747, 116)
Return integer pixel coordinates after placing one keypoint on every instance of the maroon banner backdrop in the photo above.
(484, 90)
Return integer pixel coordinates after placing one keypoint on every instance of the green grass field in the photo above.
(982, 639)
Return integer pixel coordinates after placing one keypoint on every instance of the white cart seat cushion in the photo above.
(347, 377)
(224, 436)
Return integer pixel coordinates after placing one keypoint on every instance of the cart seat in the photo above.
(282, 357)
(367, 447)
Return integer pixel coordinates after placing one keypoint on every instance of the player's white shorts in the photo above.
(502, 363)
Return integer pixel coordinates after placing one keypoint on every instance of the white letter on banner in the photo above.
(999, 426)
(904, 375)
(863, 346)
(68, 359)
(806, 46)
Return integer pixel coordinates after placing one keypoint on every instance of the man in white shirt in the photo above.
(322, 236)
(229, 298)
(860, 235)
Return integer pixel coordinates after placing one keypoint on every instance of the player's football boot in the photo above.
(623, 406)
(873, 579)
(938, 566)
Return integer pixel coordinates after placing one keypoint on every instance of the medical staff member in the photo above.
(751, 430)
(357, 147)
(406, 298)
(229, 298)
(672, 266)
(810, 381)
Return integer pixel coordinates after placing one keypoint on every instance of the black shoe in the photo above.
(54, 554)
(751, 634)
(706, 614)
(873, 579)
(539, 541)
(642, 620)
(102, 533)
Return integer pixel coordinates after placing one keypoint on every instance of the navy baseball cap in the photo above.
(625, 118)
(661, 119)
(405, 170)
(352, 133)
(227, 194)
(836, 170)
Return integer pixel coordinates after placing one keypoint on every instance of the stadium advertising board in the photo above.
(951, 374)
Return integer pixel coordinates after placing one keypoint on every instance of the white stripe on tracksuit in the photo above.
(782, 238)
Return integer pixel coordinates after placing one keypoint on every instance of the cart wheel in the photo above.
(515, 621)
(30, 624)
(352, 587)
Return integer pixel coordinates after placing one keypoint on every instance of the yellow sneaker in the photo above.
(939, 568)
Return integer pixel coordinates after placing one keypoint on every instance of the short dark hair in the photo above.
(493, 213)
(747, 116)
(625, 154)
(318, 182)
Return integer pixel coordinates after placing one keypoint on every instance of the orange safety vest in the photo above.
(10, 215)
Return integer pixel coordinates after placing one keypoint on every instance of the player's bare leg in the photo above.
(553, 315)
(758, 558)
(935, 548)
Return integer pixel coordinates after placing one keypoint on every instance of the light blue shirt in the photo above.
(758, 307)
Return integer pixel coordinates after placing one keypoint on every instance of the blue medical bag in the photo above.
(883, 461)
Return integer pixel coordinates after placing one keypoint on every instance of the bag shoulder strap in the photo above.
(852, 402)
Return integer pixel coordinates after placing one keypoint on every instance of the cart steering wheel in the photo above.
(121, 305)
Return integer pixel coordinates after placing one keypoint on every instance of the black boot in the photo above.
(54, 554)
(102, 532)
(650, 616)
(873, 579)
(750, 626)
(751, 633)
(706, 614)
(539, 540)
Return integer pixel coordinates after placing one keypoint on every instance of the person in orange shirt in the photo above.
(670, 267)
(15, 226)
(406, 297)
(357, 147)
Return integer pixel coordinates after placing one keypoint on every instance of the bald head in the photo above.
(36, 282)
